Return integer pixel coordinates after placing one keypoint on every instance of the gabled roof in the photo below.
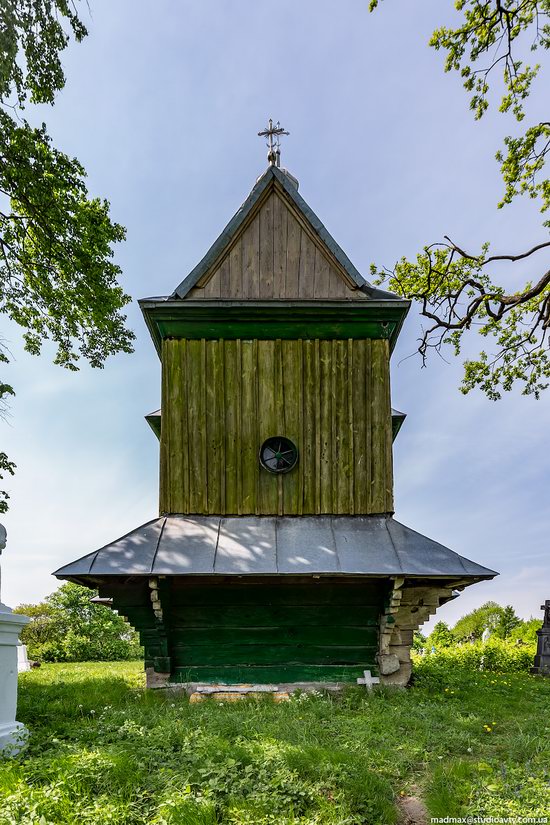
(274, 176)
(180, 545)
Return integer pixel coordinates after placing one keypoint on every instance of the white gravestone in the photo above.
(23, 663)
(12, 733)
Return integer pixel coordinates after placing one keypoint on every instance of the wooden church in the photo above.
(275, 558)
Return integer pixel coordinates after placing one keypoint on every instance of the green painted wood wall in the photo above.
(221, 399)
(263, 630)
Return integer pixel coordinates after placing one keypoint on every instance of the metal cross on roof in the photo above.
(273, 133)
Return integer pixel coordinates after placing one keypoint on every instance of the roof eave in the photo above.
(157, 309)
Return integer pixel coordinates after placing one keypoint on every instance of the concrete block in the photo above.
(387, 663)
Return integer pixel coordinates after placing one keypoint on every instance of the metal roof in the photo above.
(180, 545)
(238, 219)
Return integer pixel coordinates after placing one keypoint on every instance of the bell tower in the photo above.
(275, 558)
(275, 338)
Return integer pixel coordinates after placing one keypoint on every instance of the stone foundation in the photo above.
(408, 608)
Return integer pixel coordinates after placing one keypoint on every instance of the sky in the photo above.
(162, 105)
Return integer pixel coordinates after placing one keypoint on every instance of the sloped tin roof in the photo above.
(236, 222)
(180, 545)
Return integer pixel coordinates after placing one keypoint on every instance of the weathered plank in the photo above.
(177, 424)
(292, 274)
(341, 592)
(225, 278)
(276, 673)
(368, 429)
(249, 427)
(292, 410)
(195, 426)
(378, 411)
(280, 213)
(232, 440)
(165, 485)
(236, 271)
(307, 267)
(266, 250)
(271, 615)
(238, 654)
(387, 479)
(308, 458)
(342, 453)
(272, 636)
(325, 425)
(212, 288)
(251, 259)
(214, 421)
(268, 424)
(322, 275)
(358, 404)
(337, 288)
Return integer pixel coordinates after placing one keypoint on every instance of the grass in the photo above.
(104, 750)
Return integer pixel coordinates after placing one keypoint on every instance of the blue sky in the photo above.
(162, 105)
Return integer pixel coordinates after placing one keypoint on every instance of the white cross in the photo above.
(368, 680)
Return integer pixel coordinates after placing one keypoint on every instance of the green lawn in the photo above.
(104, 750)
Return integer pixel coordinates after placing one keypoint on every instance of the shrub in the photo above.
(68, 627)
(495, 656)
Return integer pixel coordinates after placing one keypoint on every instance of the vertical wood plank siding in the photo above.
(277, 256)
(222, 399)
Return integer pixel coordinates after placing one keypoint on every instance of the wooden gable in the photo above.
(276, 255)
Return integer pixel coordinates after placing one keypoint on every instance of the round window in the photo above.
(278, 455)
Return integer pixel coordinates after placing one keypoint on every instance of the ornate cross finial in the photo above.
(273, 134)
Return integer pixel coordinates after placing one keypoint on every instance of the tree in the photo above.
(508, 622)
(459, 290)
(68, 627)
(471, 626)
(57, 277)
(526, 631)
(419, 640)
(441, 636)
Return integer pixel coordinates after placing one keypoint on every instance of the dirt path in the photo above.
(412, 811)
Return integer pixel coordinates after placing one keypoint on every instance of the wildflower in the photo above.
(92, 712)
(469, 750)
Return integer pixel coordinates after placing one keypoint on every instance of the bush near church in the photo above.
(68, 627)
(502, 622)
(510, 648)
